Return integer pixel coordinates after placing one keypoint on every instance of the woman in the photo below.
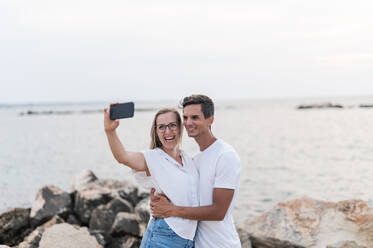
(170, 170)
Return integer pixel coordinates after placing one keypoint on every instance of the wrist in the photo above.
(110, 131)
(174, 211)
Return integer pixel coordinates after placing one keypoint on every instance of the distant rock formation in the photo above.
(320, 106)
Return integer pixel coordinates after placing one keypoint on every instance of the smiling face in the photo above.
(195, 122)
(168, 130)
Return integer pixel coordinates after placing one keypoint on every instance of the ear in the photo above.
(210, 120)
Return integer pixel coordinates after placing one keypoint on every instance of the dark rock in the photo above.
(125, 223)
(50, 201)
(266, 242)
(92, 192)
(125, 242)
(119, 205)
(319, 106)
(366, 105)
(99, 237)
(130, 194)
(73, 220)
(142, 209)
(103, 216)
(14, 225)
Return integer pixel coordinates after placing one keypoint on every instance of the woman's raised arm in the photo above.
(134, 160)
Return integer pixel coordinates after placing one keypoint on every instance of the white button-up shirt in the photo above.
(178, 182)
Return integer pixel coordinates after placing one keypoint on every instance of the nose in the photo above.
(168, 129)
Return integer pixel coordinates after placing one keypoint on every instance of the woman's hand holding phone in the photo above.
(110, 125)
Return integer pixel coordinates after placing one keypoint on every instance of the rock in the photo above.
(126, 223)
(366, 105)
(266, 242)
(120, 205)
(244, 237)
(71, 219)
(103, 216)
(125, 242)
(319, 105)
(312, 223)
(83, 180)
(96, 193)
(346, 244)
(142, 209)
(99, 237)
(14, 225)
(50, 201)
(130, 194)
(33, 239)
(67, 236)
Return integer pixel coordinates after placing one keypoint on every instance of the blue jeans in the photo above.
(160, 235)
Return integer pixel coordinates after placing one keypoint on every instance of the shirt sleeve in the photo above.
(228, 169)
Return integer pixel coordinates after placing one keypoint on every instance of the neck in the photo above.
(175, 152)
(205, 141)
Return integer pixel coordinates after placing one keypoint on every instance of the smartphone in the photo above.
(122, 110)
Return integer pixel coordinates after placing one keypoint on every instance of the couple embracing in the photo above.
(194, 197)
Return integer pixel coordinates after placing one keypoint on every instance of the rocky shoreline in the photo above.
(106, 213)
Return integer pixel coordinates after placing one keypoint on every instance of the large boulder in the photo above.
(33, 239)
(103, 216)
(14, 225)
(67, 236)
(50, 201)
(312, 223)
(92, 192)
(126, 223)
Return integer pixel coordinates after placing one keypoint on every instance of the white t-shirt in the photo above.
(179, 183)
(219, 167)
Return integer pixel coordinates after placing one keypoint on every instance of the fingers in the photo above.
(152, 195)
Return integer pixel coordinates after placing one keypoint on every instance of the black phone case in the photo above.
(122, 110)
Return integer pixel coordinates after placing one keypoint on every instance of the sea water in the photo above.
(286, 153)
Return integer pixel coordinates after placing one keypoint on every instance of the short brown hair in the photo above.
(155, 142)
(207, 105)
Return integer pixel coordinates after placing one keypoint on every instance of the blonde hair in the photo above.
(155, 142)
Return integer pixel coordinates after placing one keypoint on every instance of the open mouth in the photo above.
(169, 139)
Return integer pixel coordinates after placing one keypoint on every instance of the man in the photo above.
(219, 169)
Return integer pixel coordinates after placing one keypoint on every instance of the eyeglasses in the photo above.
(172, 126)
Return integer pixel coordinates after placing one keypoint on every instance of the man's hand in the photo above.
(160, 205)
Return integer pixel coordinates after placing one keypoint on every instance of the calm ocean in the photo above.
(286, 153)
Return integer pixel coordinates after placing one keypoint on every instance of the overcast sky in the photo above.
(83, 50)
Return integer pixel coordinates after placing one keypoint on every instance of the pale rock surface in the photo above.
(346, 244)
(315, 224)
(67, 236)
